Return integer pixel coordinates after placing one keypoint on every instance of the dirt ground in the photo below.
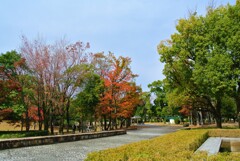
(7, 125)
(224, 125)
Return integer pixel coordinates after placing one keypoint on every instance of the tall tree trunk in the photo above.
(52, 127)
(27, 121)
(68, 116)
(128, 122)
(26, 113)
(46, 119)
(105, 122)
(82, 125)
(61, 126)
(62, 115)
(219, 122)
(218, 114)
(22, 123)
(45, 114)
(238, 110)
(237, 100)
(216, 110)
(51, 121)
(122, 121)
(95, 123)
(110, 123)
(39, 114)
(116, 123)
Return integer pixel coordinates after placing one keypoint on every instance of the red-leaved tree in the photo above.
(121, 95)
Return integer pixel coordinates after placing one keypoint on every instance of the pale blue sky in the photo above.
(130, 28)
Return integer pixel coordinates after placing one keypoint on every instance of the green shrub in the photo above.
(185, 120)
(174, 146)
(178, 146)
(177, 121)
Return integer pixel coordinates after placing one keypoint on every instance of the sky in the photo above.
(130, 28)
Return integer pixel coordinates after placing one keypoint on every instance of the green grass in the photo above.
(7, 136)
(20, 134)
(178, 146)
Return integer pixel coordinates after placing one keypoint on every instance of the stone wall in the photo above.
(43, 140)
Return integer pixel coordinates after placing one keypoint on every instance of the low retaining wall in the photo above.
(44, 140)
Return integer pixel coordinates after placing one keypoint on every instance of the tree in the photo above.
(88, 98)
(199, 59)
(129, 103)
(229, 109)
(15, 72)
(144, 108)
(159, 94)
(58, 71)
(8, 84)
(228, 36)
(119, 91)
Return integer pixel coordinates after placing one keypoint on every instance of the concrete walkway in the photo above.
(211, 145)
(77, 151)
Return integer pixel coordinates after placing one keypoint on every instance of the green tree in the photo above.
(87, 100)
(16, 72)
(8, 84)
(145, 108)
(158, 92)
(229, 108)
(200, 60)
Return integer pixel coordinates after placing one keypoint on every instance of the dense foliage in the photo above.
(202, 62)
(60, 84)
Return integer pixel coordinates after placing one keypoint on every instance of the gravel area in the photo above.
(77, 151)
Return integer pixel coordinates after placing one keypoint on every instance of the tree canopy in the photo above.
(56, 83)
(202, 59)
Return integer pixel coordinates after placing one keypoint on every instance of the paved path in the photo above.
(77, 151)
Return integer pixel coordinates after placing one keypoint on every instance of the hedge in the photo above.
(224, 133)
(178, 146)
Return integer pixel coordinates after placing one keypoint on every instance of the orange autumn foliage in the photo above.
(121, 95)
(33, 113)
(185, 110)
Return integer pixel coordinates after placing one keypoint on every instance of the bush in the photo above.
(178, 146)
(168, 147)
(219, 157)
(185, 120)
(177, 121)
(224, 133)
